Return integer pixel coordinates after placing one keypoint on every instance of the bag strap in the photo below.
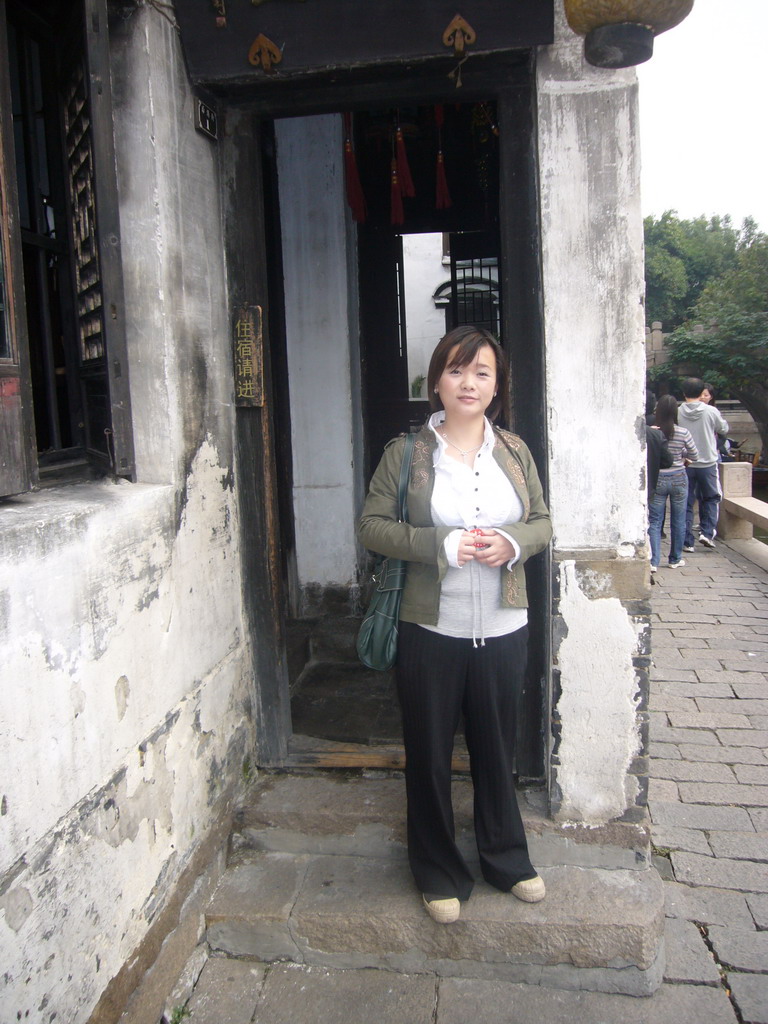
(405, 472)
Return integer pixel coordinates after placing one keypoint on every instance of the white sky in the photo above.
(703, 114)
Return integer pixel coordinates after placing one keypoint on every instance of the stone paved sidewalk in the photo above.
(709, 772)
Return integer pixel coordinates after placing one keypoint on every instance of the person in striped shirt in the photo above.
(672, 483)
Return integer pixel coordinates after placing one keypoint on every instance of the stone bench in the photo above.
(739, 511)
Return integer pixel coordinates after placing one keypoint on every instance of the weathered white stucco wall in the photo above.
(315, 239)
(125, 680)
(592, 257)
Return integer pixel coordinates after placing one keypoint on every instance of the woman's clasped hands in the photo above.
(486, 546)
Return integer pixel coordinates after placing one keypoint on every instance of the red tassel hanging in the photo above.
(442, 195)
(403, 170)
(355, 195)
(398, 216)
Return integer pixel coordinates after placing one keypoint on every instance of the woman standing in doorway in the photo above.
(476, 514)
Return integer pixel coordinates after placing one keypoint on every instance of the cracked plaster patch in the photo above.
(597, 708)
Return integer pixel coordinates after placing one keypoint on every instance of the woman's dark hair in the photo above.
(468, 340)
(666, 415)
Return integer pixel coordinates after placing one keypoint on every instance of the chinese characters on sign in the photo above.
(249, 366)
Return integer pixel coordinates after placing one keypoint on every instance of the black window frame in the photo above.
(98, 395)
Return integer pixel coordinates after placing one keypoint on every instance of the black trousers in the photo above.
(438, 677)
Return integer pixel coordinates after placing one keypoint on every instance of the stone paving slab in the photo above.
(227, 992)
(742, 737)
(758, 906)
(664, 751)
(745, 690)
(744, 706)
(462, 1001)
(745, 662)
(750, 992)
(695, 688)
(313, 995)
(660, 732)
(709, 906)
(718, 793)
(692, 839)
(703, 816)
(710, 675)
(673, 702)
(694, 752)
(664, 790)
(689, 961)
(706, 720)
(721, 872)
(741, 949)
(694, 771)
(741, 845)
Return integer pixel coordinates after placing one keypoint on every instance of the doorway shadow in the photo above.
(339, 708)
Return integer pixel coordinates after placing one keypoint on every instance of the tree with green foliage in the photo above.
(725, 340)
(681, 256)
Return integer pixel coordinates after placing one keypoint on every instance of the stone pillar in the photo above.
(736, 482)
(592, 264)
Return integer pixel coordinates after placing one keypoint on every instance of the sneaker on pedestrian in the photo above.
(708, 542)
(530, 890)
(689, 549)
(654, 568)
(677, 565)
(444, 910)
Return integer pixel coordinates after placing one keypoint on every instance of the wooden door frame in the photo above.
(255, 451)
(523, 334)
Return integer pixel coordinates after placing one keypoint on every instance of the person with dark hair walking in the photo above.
(705, 423)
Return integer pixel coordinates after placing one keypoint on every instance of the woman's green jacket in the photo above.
(420, 543)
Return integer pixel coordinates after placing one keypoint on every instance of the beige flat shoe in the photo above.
(444, 911)
(531, 890)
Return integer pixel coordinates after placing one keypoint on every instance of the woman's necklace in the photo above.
(461, 451)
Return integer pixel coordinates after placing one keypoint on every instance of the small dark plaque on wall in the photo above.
(248, 340)
(206, 120)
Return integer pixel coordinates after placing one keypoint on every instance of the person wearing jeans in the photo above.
(705, 423)
(672, 483)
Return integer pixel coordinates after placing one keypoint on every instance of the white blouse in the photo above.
(466, 495)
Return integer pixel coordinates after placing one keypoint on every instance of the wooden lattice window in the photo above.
(80, 172)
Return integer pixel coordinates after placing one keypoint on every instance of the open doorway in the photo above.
(364, 306)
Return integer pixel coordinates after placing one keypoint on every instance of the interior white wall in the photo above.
(424, 273)
(318, 279)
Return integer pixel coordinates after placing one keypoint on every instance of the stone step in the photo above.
(318, 876)
(364, 815)
(598, 929)
(334, 641)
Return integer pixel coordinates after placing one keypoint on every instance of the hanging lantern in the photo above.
(620, 33)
